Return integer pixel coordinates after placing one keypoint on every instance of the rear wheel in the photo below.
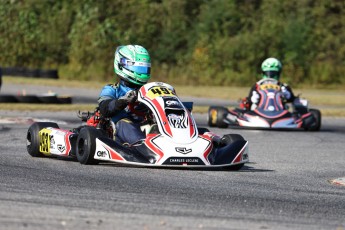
(86, 145)
(212, 116)
(32, 137)
(216, 115)
(317, 115)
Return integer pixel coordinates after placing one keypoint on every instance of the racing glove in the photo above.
(129, 97)
(255, 97)
(286, 92)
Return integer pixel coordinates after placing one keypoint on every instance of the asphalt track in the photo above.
(286, 185)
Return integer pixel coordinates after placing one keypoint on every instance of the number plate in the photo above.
(44, 136)
(159, 92)
(270, 86)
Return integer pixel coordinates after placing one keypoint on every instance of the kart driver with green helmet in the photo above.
(271, 68)
(132, 65)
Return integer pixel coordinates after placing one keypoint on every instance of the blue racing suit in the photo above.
(127, 124)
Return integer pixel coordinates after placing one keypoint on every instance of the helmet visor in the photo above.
(136, 66)
(272, 74)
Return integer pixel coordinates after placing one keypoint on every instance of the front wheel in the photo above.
(203, 130)
(86, 145)
(33, 139)
(230, 138)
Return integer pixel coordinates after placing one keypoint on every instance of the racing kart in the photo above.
(172, 137)
(271, 113)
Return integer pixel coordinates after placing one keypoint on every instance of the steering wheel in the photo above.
(272, 80)
(138, 108)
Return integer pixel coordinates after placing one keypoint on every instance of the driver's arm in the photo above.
(253, 97)
(110, 107)
(287, 92)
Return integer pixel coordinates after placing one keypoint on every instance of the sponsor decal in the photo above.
(183, 161)
(102, 153)
(183, 150)
(172, 103)
(61, 148)
(52, 140)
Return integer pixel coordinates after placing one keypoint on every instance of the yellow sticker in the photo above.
(44, 136)
(270, 86)
(159, 91)
(213, 116)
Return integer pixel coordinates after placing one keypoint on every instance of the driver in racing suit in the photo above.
(271, 68)
(132, 65)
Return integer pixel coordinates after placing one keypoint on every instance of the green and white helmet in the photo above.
(133, 64)
(271, 68)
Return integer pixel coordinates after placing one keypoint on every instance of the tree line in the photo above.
(201, 42)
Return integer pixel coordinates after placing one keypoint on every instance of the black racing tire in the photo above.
(25, 72)
(65, 100)
(212, 116)
(28, 99)
(221, 114)
(48, 73)
(317, 115)
(48, 99)
(216, 115)
(86, 145)
(32, 137)
(203, 130)
(230, 138)
(6, 98)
